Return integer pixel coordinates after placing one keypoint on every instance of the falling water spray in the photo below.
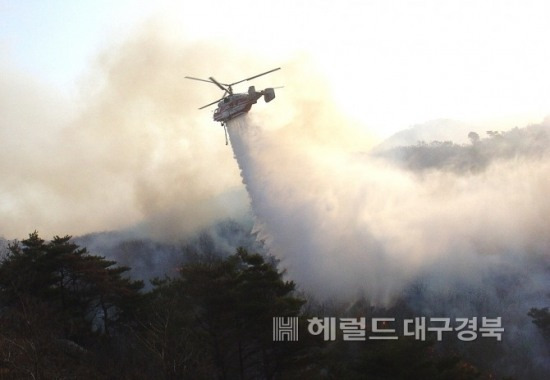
(449, 244)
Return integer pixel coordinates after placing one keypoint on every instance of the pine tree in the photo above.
(55, 300)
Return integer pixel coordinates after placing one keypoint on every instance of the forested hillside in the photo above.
(69, 314)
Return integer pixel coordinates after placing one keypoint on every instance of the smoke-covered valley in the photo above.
(455, 230)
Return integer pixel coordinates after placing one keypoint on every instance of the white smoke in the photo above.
(452, 244)
(132, 151)
(345, 224)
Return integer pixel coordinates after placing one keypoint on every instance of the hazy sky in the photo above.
(389, 64)
(99, 130)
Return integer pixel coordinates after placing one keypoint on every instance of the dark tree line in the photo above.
(69, 314)
(214, 321)
(65, 313)
(57, 302)
(531, 142)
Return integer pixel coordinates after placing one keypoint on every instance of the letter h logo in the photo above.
(285, 329)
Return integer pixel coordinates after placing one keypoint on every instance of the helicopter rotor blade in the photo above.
(210, 104)
(255, 76)
(225, 89)
(202, 80)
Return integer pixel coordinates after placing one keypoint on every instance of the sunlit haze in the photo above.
(95, 92)
(388, 64)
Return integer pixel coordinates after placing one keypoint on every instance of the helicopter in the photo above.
(231, 105)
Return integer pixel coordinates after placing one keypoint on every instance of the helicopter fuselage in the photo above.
(234, 105)
(237, 104)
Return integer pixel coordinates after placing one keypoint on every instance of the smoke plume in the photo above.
(132, 151)
(348, 223)
(450, 242)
